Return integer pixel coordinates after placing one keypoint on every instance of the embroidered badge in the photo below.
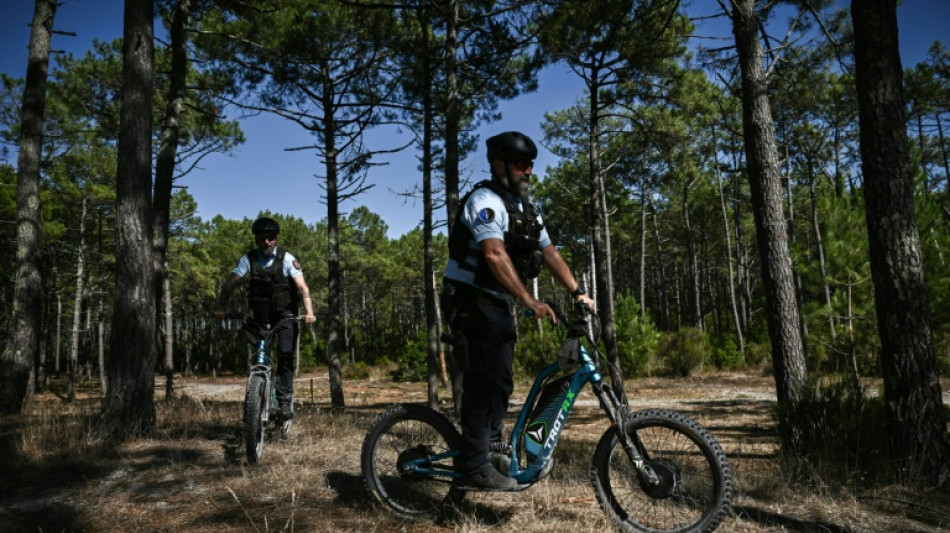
(486, 215)
(297, 265)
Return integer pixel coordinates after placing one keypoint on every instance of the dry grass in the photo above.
(57, 475)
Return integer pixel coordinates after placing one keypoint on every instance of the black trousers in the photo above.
(286, 344)
(489, 329)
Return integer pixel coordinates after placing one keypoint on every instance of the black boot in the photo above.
(487, 479)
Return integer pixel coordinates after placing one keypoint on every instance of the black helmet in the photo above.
(511, 146)
(265, 225)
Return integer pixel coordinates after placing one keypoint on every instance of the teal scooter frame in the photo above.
(645, 461)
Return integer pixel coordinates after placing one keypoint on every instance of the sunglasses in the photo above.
(267, 236)
(523, 164)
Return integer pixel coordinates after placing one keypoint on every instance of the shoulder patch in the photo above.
(297, 265)
(486, 215)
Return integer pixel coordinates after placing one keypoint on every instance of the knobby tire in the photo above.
(255, 403)
(409, 432)
(697, 482)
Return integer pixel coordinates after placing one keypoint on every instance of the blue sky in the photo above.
(261, 174)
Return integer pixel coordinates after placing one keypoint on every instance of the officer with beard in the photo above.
(498, 243)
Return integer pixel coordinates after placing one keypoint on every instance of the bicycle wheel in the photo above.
(255, 403)
(406, 433)
(695, 481)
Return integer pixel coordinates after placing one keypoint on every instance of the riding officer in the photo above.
(497, 244)
(275, 291)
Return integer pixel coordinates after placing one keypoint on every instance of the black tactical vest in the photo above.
(522, 240)
(271, 295)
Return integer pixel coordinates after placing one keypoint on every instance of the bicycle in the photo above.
(260, 399)
(652, 470)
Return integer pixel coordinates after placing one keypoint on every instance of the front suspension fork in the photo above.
(617, 412)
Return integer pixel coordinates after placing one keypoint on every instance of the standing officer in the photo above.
(276, 289)
(497, 244)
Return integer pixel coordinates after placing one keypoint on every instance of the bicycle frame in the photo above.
(260, 365)
(586, 372)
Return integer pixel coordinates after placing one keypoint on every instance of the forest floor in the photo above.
(56, 474)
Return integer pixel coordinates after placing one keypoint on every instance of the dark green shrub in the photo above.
(637, 338)
(357, 370)
(536, 349)
(684, 351)
(758, 355)
(413, 361)
(726, 355)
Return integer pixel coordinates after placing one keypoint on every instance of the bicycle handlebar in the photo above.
(231, 315)
(580, 308)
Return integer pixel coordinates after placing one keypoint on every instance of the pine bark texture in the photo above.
(17, 358)
(771, 235)
(129, 404)
(911, 385)
(164, 177)
(334, 273)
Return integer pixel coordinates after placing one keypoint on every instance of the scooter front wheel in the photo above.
(695, 482)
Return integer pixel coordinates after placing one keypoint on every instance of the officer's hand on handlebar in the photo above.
(586, 300)
(537, 310)
(309, 318)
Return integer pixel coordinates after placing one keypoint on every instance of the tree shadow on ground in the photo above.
(352, 493)
(43, 516)
(349, 488)
(767, 518)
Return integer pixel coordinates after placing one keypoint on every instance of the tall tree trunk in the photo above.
(676, 294)
(916, 415)
(695, 315)
(793, 239)
(58, 343)
(452, 130)
(86, 339)
(643, 248)
(661, 272)
(20, 352)
(77, 306)
(188, 341)
(428, 272)
(169, 328)
(101, 342)
(740, 340)
(100, 312)
(836, 150)
(788, 356)
(819, 245)
(709, 285)
(130, 405)
(452, 112)
(443, 368)
(164, 175)
(40, 375)
(601, 234)
(742, 270)
(334, 327)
